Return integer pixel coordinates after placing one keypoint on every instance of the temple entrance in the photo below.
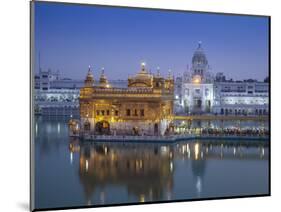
(135, 131)
(87, 126)
(208, 106)
(102, 128)
(156, 129)
(198, 103)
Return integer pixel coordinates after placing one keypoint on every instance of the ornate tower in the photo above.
(199, 65)
(103, 80)
(89, 81)
(158, 80)
(169, 82)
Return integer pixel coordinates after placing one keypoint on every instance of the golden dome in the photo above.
(143, 72)
(141, 79)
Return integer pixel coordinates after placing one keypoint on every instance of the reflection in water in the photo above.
(126, 165)
(147, 170)
(71, 158)
(58, 127)
(36, 129)
(71, 172)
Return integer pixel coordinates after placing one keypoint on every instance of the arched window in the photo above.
(187, 91)
(135, 112)
(87, 126)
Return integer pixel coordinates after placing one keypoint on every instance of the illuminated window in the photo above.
(187, 92)
(197, 91)
(157, 84)
(207, 92)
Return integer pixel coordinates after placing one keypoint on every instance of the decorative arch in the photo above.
(138, 84)
(102, 128)
(87, 126)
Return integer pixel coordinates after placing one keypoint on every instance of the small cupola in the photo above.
(103, 80)
(89, 81)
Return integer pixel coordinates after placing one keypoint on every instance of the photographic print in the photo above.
(135, 105)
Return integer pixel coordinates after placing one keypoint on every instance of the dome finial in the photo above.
(103, 80)
(199, 44)
(158, 71)
(143, 69)
(169, 74)
(89, 69)
(89, 78)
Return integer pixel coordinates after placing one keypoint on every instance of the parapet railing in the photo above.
(167, 138)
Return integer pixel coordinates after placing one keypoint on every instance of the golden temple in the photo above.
(144, 107)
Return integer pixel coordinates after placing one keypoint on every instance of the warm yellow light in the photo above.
(197, 80)
(196, 151)
(171, 166)
(142, 198)
(87, 165)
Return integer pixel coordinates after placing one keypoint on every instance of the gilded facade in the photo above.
(145, 107)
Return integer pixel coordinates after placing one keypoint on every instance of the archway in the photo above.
(156, 129)
(102, 128)
(87, 126)
(135, 131)
(208, 106)
(198, 103)
(226, 111)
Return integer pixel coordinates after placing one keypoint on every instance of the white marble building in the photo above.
(58, 96)
(241, 98)
(198, 92)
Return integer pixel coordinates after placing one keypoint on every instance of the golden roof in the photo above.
(103, 80)
(141, 79)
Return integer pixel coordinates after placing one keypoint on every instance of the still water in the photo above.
(70, 172)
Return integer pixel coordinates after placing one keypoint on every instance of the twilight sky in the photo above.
(72, 37)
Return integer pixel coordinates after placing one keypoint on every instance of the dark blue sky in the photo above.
(72, 37)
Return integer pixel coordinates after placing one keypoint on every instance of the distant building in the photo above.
(241, 98)
(203, 93)
(220, 77)
(57, 96)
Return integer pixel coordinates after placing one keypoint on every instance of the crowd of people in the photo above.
(235, 131)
